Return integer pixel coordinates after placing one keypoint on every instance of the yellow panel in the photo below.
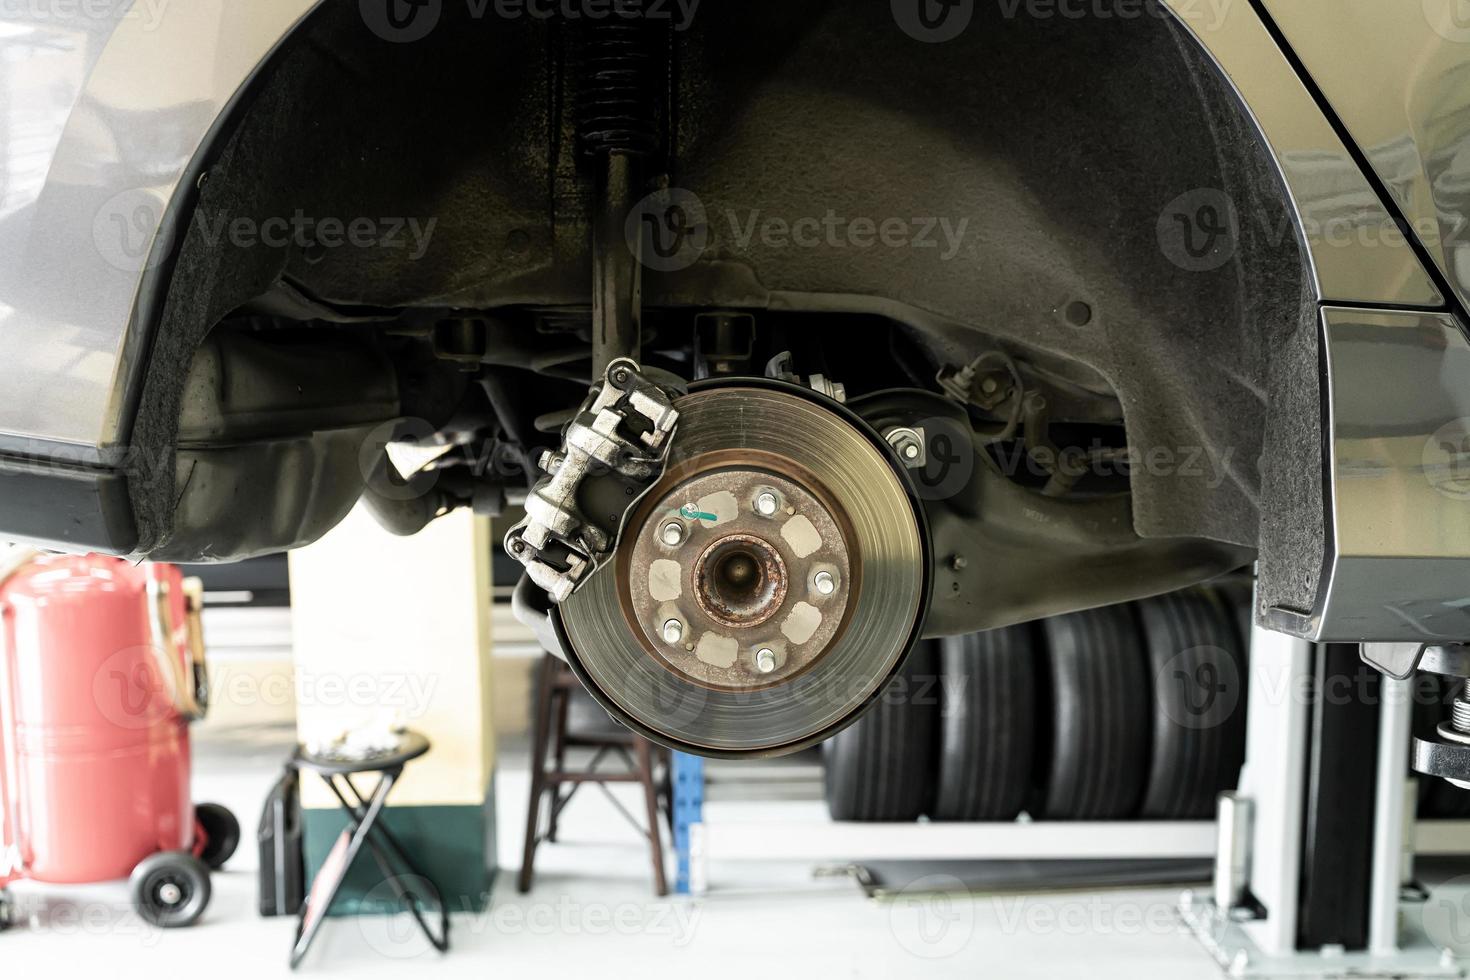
(388, 628)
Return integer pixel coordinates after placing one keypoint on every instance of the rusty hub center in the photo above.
(739, 577)
(740, 581)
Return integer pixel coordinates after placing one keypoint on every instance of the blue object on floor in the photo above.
(688, 809)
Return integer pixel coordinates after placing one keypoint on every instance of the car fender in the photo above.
(114, 109)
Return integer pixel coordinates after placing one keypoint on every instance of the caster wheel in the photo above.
(221, 834)
(170, 889)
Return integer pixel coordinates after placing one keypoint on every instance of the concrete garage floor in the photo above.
(592, 913)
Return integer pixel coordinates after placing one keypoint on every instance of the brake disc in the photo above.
(765, 588)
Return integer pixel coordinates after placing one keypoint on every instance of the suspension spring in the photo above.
(616, 95)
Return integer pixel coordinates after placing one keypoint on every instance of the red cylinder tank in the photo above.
(94, 746)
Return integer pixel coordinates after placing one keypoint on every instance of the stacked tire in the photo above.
(882, 767)
(1123, 712)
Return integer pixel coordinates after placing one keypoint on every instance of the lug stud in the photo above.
(672, 533)
(825, 583)
(766, 504)
(673, 631)
(765, 660)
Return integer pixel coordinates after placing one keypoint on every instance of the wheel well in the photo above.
(1038, 157)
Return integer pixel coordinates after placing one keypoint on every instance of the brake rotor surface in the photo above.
(764, 589)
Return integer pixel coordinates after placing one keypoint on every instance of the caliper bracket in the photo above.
(621, 434)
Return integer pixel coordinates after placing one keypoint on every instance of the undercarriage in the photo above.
(658, 285)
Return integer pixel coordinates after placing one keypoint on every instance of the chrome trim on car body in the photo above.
(106, 108)
(1398, 412)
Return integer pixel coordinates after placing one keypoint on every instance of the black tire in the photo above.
(1199, 678)
(221, 834)
(1094, 743)
(1239, 600)
(881, 767)
(170, 889)
(987, 723)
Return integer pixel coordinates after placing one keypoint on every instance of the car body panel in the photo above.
(1399, 415)
(1356, 251)
(1407, 106)
(108, 108)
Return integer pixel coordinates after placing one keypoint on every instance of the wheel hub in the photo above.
(739, 578)
(764, 589)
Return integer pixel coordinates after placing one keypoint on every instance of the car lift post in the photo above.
(1314, 845)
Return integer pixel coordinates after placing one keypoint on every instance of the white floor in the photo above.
(592, 914)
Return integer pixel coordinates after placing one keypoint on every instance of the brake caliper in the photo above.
(612, 452)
